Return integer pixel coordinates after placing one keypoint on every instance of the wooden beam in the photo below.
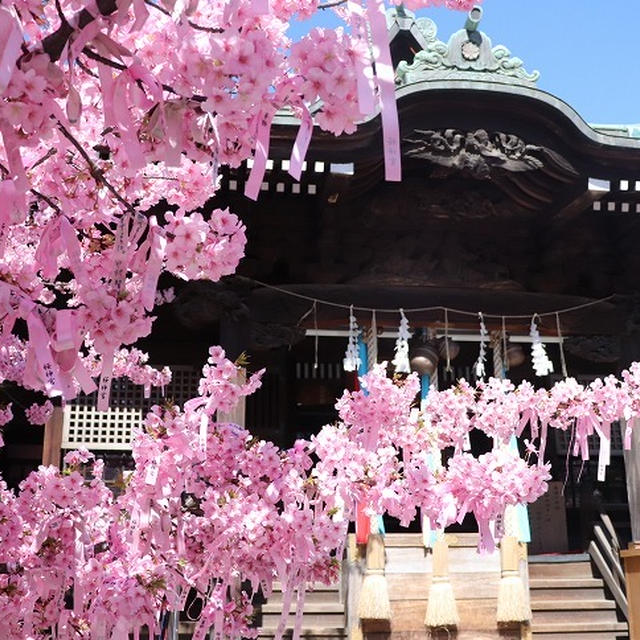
(52, 445)
(632, 471)
(237, 415)
(624, 602)
(273, 306)
(521, 180)
(577, 206)
(515, 193)
(631, 559)
(610, 555)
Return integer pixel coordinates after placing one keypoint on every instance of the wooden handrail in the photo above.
(605, 553)
(610, 555)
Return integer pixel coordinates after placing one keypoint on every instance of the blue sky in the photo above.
(587, 51)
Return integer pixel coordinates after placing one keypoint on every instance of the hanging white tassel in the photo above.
(540, 360)
(479, 368)
(352, 360)
(401, 359)
(563, 362)
(372, 343)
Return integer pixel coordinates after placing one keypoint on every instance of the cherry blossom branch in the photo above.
(41, 196)
(328, 5)
(192, 24)
(96, 173)
(44, 158)
(54, 44)
(94, 55)
(86, 69)
(47, 199)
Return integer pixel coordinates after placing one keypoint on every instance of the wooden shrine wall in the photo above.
(474, 578)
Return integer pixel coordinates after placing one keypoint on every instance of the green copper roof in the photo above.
(622, 130)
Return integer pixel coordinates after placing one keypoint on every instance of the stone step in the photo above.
(540, 584)
(563, 629)
(308, 633)
(316, 615)
(316, 586)
(582, 635)
(315, 596)
(567, 616)
(317, 592)
(579, 569)
(454, 540)
(575, 594)
(572, 605)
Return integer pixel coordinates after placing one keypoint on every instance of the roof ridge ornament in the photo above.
(469, 54)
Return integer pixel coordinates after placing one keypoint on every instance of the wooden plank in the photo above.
(237, 415)
(560, 604)
(610, 529)
(52, 445)
(445, 634)
(581, 203)
(548, 521)
(478, 615)
(415, 540)
(610, 581)
(581, 569)
(467, 586)
(631, 558)
(609, 554)
(354, 570)
(632, 472)
(461, 560)
(578, 626)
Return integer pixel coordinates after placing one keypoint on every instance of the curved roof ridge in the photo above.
(468, 53)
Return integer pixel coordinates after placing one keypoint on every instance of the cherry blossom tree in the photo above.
(112, 110)
(109, 108)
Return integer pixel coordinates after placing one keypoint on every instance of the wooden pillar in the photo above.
(632, 555)
(631, 559)
(52, 445)
(234, 336)
(632, 471)
(237, 415)
(352, 577)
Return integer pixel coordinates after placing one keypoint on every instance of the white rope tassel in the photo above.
(401, 359)
(372, 343)
(563, 362)
(447, 353)
(504, 345)
(479, 368)
(498, 356)
(352, 360)
(541, 363)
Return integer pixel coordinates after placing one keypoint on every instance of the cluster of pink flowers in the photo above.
(6, 416)
(384, 447)
(102, 122)
(39, 414)
(326, 61)
(199, 249)
(501, 410)
(486, 485)
(209, 507)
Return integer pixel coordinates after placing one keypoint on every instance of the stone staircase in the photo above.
(323, 617)
(569, 603)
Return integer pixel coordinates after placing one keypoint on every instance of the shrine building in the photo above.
(510, 205)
